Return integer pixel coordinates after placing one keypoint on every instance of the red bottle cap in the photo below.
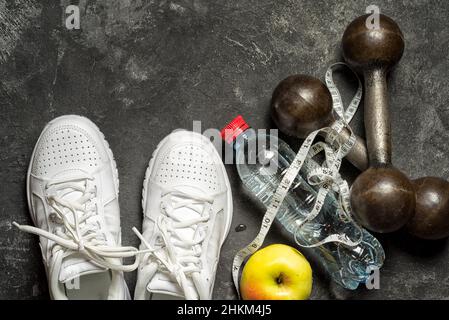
(233, 129)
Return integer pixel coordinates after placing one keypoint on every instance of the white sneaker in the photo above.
(187, 206)
(72, 190)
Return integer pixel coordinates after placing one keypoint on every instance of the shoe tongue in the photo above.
(165, 283)
(191, 190)
(184, 213)
(75, 266)
(70, 194)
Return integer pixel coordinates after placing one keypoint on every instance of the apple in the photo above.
(276, 272)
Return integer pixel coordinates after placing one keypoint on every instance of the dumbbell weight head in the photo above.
(302, 104)
(431, 219)
(365, 48)
(382, 199)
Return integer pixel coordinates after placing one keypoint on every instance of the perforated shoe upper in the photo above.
(188, 162)
(68, 145)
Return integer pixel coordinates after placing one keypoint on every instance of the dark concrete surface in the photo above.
(140, 69)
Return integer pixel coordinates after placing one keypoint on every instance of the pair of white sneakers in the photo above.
(72, 190)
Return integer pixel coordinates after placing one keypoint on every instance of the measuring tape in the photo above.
(326, 176)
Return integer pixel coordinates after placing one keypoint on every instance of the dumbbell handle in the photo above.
(358, 155)
(377, 117)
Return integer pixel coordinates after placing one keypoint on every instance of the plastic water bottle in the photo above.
(348, 266)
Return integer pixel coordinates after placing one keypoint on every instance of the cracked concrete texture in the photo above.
(140, 69)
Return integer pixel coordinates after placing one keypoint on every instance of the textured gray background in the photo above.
(140, 69)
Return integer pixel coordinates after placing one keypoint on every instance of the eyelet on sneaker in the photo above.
(53, 217)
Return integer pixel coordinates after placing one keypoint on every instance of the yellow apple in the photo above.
(276, 272)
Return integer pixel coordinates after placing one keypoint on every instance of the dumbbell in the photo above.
(382, 197)
(302, 104)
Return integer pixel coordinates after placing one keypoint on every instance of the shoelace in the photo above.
(79, 234)
(183, 253)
